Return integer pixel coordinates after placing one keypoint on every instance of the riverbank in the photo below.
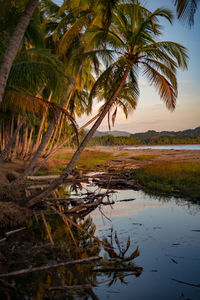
(168, 172)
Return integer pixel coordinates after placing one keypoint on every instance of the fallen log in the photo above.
(47, 267)
(41, 178)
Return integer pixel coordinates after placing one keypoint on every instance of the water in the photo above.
(167, 234)
(166, 147)
(165, 231)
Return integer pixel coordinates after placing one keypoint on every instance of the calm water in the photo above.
(167, 234)
(167, 147)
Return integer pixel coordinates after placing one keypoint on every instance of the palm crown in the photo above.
(132, 41)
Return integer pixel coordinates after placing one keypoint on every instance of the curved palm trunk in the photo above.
(82, 146)
(14, 44)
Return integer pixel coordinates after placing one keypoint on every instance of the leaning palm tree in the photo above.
(14, 44)
(186, 9)
(133, 40)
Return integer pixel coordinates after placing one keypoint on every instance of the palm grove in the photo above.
(56, 60)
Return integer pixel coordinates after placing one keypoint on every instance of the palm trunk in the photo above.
(82, 146)
(12, 140)
(29, 143)
(37, 167)
(39, 136)
(14, 44)
(25, 142)
(58, 125)
(37, 154)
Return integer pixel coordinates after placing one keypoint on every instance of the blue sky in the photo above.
(151, 113)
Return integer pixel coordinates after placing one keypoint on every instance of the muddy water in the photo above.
(167, 233)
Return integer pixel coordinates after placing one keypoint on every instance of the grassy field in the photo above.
(88, 160)
(144, 157)
(181, 179)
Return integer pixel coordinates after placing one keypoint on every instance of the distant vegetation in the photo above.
(151, 137)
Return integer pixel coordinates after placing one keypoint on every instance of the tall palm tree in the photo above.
(186, 9)
(14, 44)
(133, 39)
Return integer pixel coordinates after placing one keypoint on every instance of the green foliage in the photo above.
(172, 179)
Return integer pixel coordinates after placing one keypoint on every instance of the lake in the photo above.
(166, 147)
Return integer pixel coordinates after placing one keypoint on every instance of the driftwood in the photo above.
(41, 178)
(14, 231)
(51, 266)
(127, 200)
(71, 287)
(3, 240)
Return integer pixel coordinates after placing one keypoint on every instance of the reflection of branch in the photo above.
(72, 287)
(47, 267)
(187, 283)
(137, 270)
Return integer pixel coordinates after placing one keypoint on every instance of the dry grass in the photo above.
(89, 159)
(144, 157)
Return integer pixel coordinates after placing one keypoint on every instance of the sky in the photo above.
(151, 112)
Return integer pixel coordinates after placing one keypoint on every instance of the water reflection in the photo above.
(75, 240)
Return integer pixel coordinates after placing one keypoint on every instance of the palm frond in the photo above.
(186, 9)
(165, 88)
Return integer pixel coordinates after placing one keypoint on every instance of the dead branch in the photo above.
(14, 231)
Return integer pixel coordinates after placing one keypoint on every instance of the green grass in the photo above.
(88, 160)
(172, 179)
(144, 157)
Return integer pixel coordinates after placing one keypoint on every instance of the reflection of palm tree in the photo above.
(116, 264)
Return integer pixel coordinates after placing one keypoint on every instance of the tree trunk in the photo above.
(29, 143)
(37, 154)
(14, 44)
(12, 140)
(37, 167)
(25, 142)
(39, 136)
(82, 146)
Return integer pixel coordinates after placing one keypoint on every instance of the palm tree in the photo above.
(186, 9)
(14, 44)
(132, 38)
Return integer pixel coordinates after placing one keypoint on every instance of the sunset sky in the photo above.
(151, 113)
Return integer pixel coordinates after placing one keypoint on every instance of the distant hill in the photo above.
(193, 133)
(113, 133)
